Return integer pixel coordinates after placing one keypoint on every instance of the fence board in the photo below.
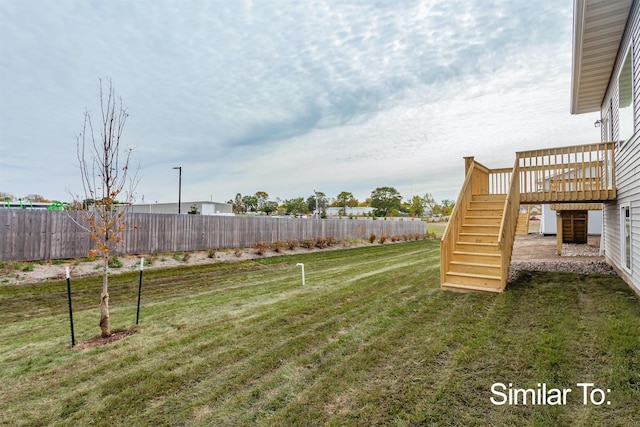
(32, 234)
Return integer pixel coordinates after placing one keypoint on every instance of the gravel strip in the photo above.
(570, 266)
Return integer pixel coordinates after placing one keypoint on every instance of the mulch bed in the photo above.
(98, 340)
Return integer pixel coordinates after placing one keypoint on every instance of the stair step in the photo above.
(475, 268)
(489, 197)
(478, 237)
(477, 257)
(492, 206)
(480, 228)
(484, 212)
(474, 276)
(483, 219)
(468, 288)
(481, 280)
(477, 247)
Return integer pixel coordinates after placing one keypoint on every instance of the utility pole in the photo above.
(179, 187)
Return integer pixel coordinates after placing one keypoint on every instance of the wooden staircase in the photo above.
(476, 246)
(476, 259)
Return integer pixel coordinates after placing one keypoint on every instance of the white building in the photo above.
(202, 208)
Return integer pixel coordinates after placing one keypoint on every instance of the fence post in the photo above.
(73, 338)
(139, 290)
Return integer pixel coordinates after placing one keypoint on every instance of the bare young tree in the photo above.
(106, 181)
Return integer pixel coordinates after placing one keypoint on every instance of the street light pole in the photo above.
(316, 194)
(179, 187)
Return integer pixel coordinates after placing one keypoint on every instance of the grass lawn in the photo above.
(436, 227)
(369, 340)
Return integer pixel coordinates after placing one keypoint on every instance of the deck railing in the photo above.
(452, 231)
(499, 180)
(507, 233)
(567, 174)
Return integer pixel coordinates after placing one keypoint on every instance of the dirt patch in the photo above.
(535, 252)
(99, 341)
(34, 272)
(544, 248)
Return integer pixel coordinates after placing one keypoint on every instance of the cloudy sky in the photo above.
(285, 96)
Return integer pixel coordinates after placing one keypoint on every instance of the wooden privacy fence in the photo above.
(28, 235)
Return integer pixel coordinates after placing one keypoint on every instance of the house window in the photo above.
(625, 236)
(625, 100)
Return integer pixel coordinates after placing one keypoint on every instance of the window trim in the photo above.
(626, 249)
(621, 142)
(607, 125)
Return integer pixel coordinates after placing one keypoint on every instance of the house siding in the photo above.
(627, 157)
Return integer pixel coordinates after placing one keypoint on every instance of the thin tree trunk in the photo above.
(104, 301)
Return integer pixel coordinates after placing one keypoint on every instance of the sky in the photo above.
(284, 96)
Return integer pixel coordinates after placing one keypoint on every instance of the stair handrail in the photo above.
(450, 234)
(506, 235)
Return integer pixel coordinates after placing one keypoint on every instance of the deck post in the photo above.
(559, 236)
(468, 161)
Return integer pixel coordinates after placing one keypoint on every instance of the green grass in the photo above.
(370, 340)
(436, 227)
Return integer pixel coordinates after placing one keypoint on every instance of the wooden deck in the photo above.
(574, 174)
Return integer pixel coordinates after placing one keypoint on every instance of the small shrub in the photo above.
(346, 242)
(211, 253)
(28, 267)
(394, 239)
(177, 256)
(186, 256)
(5, 267)
(308, 243)
(293, 244)
(383, 239)
(238, 253)
(114, 262)
(261, 248)
(372, 238)
(331, 241)
(321, 242)
(278, 246)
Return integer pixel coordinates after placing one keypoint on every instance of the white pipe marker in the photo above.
(301, 265)
(67, 271)
(141, 263)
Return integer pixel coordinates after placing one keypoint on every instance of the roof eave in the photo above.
(598, 29)
(578, 28)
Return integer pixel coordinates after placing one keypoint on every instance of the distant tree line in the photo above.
(8, 197)
(385, 201)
